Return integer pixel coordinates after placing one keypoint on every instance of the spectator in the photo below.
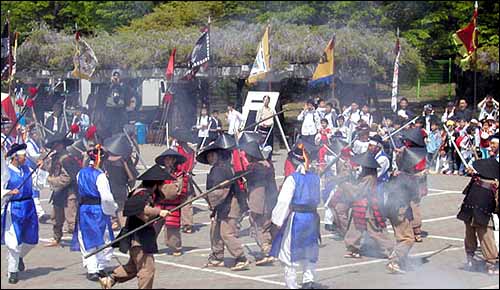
(366, 115)
(433, 144)
(403, 111)
(266, 127)
(330, 115)
(202, 124)
(450, 149)
(322, 140)
(235, 119)
(310, 122)
(55, 122)
(429, 118)
(488, 107)
(115, 104)
(341, 127)
(82, 120)
(493, 151)
(321, 109)
(449, 112)
(484, 143)
(215, 127)
(463, 112)
(465, 144)
(352, 118)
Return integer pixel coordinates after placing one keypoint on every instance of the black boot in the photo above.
(13, 278)
(94, 277)
(21, 266)
(308, 285)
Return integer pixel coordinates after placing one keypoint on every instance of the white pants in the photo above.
(15, 251)
(99, 261)
(39, 209)
(309, 273)
(328, 219)
(496, 226)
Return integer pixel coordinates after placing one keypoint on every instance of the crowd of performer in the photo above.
(367, 176)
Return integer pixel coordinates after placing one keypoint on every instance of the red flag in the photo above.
(167, 98)
(8, 107)
(467, 34)
(169, 73)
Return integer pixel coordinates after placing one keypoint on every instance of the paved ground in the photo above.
(60, 268)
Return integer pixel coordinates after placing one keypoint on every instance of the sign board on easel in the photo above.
(254, 103)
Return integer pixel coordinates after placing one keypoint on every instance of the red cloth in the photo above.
(240, 163)
(289, 167)
(174, 219)
(189, 154)
(483, 143)
(321, 156)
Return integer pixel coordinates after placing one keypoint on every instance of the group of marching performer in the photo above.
(362, 186)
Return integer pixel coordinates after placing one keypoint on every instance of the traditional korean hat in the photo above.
(366, 159)
(16, 149)
(247, 137)
(252, 149)
(170, 153)
(155, 173)
(58, 138)
(487, 168)
(415, 136)
(222, 143)
(118, 145)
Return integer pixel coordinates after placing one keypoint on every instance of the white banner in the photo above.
(394, 99)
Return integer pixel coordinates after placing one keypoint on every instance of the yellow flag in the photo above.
(261, 64)
(325, 69)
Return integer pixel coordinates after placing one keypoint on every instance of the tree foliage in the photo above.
(425, 25)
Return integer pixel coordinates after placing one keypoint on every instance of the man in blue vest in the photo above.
(93, 221)
(19, 231)
(295, 214)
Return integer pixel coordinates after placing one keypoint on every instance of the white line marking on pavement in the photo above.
(439, 219)
(444, 193)
(361, 263)
(490, 287)
(232, 275)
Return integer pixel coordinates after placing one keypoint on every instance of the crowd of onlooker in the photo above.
(475, 132)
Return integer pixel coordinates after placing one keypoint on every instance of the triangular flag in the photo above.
(326, 67)
(466, 38)
(84, 60)
(261, 64)
(169, 72)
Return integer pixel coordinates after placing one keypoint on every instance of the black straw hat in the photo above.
(118, 144)
(170, 153)
(367, 160)
(252, 149)
(487, 168)
(58, 138)
(155, 173)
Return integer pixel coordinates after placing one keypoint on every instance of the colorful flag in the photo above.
(14, 56)
(200, 54)
(84, 60)
(466, 38)
(325, 70)
(261, 64)
(394, 98)
(169, 72)
(6, 51)
(8, 107)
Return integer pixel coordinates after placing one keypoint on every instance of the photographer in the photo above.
(116, 103)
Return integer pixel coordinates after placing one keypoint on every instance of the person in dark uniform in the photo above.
(478, 206)
(141, 246)
(224, 205)
(62, 180)
(262, 197)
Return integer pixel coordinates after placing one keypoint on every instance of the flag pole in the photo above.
(269, 83)
(333, 65)
(209, 65)
(475, 55)
(80, 101)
